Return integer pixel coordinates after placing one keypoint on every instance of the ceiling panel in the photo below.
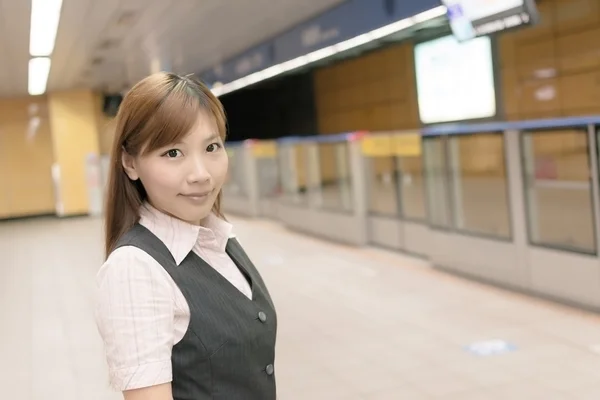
(110, 44)
(6, 69)
(82, 23)
(14, 47)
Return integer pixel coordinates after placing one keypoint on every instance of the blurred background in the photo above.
(417, 181)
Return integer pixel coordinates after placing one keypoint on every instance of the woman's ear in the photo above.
(128, 162)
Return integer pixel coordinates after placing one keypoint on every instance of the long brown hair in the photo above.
(157, 111)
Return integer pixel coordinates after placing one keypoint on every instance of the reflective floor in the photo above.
(354, 324)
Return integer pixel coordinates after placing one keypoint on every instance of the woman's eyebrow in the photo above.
(212, 137)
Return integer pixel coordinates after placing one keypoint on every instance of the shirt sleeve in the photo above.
(134, 315)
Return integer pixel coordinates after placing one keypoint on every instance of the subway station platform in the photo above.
(354, 323)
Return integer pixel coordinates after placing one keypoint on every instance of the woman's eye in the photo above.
(172, 153)
(213, 147)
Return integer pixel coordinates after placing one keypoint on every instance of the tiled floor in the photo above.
(354, 324)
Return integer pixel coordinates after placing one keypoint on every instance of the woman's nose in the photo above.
(198, 171)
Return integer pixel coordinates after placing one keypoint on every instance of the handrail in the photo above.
(464, 128)
(446, 129)
(335, 138)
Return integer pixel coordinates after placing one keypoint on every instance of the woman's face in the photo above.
(184, 179)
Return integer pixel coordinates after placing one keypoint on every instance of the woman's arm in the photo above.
(135, 316)
(159, 392)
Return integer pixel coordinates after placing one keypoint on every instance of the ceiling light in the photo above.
(39, 68)
(45, 15)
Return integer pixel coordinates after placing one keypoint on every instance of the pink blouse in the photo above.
(140, 312)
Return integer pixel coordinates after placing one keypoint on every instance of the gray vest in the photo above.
(228, 351)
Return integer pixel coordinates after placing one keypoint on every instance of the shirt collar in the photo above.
(181, 237)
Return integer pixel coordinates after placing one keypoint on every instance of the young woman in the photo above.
(182, 311)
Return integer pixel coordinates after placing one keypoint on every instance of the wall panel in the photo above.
(551, 69)
(74, 124)
(25, 158)
(371, 92)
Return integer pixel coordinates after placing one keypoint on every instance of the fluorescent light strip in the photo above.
(328, 51)
(39, 68)
(45, 15)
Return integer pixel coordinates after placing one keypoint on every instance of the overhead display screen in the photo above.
(472, 18)
(455, 81)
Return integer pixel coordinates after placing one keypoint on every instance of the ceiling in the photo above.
(110, 44)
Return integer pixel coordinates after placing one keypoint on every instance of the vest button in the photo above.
(262, 316)
(270, 369)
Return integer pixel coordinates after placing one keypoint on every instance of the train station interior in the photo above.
(416, 181)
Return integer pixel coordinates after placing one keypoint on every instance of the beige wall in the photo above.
(372, 92)
(25, 158)
(74, 124)
(106, 128)
(35, 132)
(553, 69)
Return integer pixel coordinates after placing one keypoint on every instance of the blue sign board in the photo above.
(250, 61)
(349, 19)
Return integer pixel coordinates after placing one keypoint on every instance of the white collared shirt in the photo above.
(140, 311)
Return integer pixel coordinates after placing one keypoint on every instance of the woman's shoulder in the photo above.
(128, 262)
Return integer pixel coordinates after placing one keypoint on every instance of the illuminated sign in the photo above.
(472, 18)
(455, 80)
